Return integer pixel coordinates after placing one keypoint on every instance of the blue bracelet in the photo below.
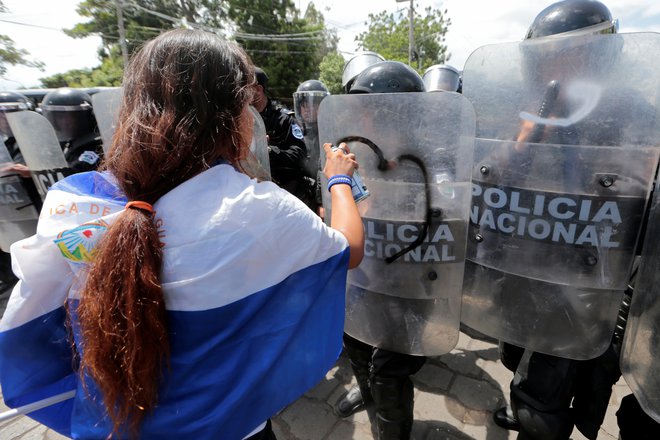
(339, 179)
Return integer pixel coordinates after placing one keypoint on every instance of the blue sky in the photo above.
(474, 24)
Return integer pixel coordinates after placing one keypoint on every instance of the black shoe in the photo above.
(505, 420)
(349, 403)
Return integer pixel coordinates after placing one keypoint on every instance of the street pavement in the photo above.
(455, 395)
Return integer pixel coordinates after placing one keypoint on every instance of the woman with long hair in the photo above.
(193, 310)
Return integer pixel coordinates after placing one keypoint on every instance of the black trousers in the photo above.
(634, 423)
(555, 394)
(385, 363)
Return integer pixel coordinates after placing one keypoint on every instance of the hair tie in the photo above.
(136, 204)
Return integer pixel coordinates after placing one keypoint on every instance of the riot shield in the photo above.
(306, 106)
(565, 158)
(415, 155)
(640, 355)
(106, 111)
(257, 164)
(40, 148)
(18, 216)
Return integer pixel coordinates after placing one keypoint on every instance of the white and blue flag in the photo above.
(254, 286)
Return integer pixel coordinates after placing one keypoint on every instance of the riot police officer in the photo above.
(17, 217)
(11, 102)
(383, 376)
(306, 101)
(552, 393)
(70, 113)
(288, 152)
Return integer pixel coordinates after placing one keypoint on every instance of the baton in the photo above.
(549, 98)
(40, 404)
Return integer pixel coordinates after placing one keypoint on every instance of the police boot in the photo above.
(355, 399)
(504, 418)
(394, 407)
(349, 403)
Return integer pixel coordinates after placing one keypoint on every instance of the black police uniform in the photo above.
(288, 153)
(634, 423)
(84, 153)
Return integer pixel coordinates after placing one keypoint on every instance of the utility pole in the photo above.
(122, 32)
(411, 33)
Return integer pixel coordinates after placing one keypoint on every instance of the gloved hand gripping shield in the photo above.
(405, 295)
(565, 157)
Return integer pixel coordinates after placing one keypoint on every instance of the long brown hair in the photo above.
(184, 105)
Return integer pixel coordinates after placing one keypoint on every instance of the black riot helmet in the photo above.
(11, 102)
(312, 85)
(70, 113)
(306, 101)
(573, 17)
(388, 77)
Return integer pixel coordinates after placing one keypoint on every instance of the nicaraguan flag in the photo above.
(254, 285)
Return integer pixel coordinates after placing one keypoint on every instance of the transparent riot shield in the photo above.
(18, 216)
(40, 148)
(106, 111)
(257, 164)
(565, 158)
(640, 355)
(415, 155)
(306, 107)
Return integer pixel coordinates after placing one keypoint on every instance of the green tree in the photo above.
(143, 19)
(332, 67)
(109, 74)
(388, 35)
(10, 54)
(288, 46)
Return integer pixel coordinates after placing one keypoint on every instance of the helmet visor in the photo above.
(357, 64)
(441, 80)
(69, 125)
(306, 106)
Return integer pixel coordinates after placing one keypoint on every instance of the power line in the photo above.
(31, 25)
(301, 36)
